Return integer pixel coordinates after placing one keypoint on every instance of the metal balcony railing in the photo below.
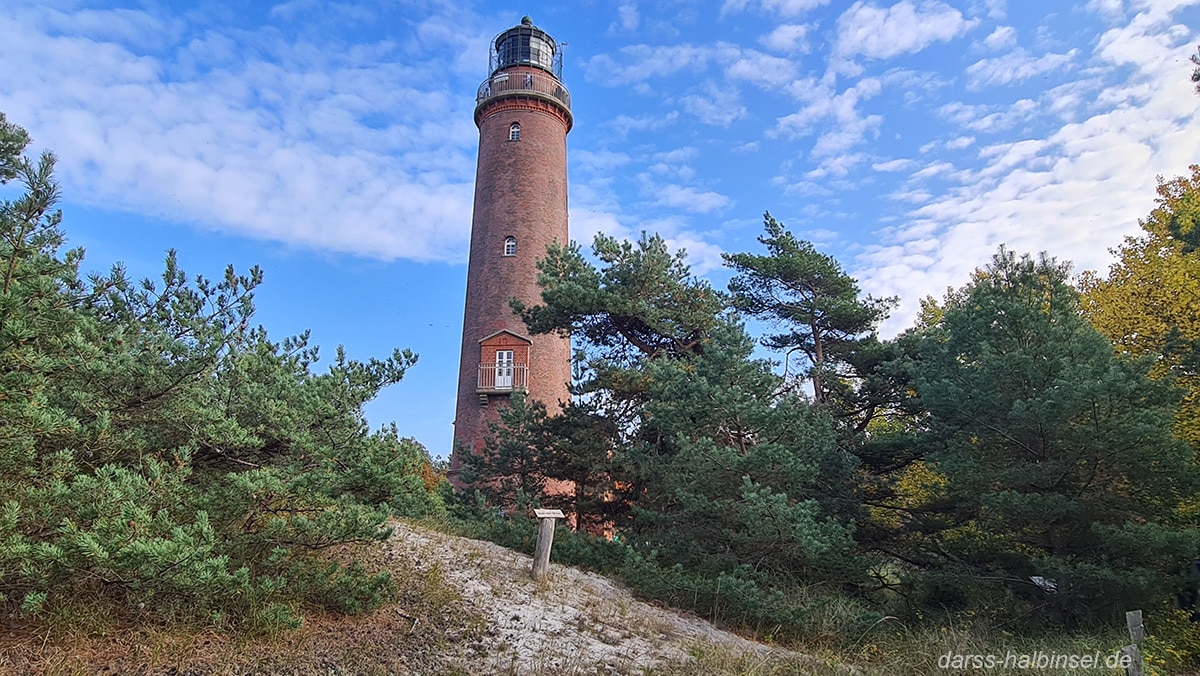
(543, 85)
(494, 378)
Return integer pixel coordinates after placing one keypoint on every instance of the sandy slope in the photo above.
(575, 622)
(463, 607)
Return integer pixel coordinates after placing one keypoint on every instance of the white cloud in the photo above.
(996, 8)
(637, 63)
(1079, 183)
(623, 124)
(1112, 9)
(960, 142)
(846, 136)
(836, 117)
(627, 18)
(701, 256)
(290, 10)
(788, 38)
(978, 118)
(933, 169)
(675, 163)
(1001, 38)
(589, 220)
(837, 165)
(132, 27)
(911, 196)
(781, 7)
(715, 105)
(690, 199)
(903, 28)
(893, 165)
(1016, 66)
(764, 70)
(678, 155)
(285, 150)
(598, 161)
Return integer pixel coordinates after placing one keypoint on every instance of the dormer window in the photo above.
(510, 246)
(514, 132)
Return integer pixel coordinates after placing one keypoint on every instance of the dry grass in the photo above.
(419, 632)
(469, 607)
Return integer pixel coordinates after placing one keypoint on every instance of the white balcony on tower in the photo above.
(517, 83)
(502, 377)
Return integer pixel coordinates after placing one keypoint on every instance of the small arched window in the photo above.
(514, 132)
(510, 246)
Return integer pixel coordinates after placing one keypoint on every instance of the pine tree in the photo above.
(735, 474)
(1150, 302)
(156, 449)
(1056, 456)
(808, 294)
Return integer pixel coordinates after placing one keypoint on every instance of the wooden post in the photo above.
(1133, 653)
(541, 553)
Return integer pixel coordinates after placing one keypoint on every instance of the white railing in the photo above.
(506, 378)
(544, 84)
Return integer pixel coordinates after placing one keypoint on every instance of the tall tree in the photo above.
(732, 473)
(529, 456)
(806, 292)
(1056, 456)
(1150, 302)
(642, 303)
(156, 449)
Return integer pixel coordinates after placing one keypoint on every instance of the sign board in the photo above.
(549, 514)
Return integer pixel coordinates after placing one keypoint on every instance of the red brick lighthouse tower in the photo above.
(523, 112)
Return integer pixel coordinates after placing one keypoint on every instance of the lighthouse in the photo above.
(523, 113)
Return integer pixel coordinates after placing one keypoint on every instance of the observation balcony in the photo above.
(523, 83)
(502, 379)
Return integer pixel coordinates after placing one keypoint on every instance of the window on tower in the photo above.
(510, 246)
(514, 132)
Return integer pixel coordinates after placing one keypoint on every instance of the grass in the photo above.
(420, 630)
(429, 627)
(834, 638)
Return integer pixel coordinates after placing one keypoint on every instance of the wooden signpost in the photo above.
(545, 538)
(1132, 653)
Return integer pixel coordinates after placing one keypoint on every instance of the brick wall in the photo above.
(521, 192)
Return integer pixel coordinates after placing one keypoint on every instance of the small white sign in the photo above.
(549, 514)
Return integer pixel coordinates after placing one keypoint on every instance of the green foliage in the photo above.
(507, 472)
(809, 294)
(1057, 456)
(680, 428)
(1150, 302)
(733, 473)
(643, 303)
(155, 449)
(682, 443)
(1172, 640)
(746, 598)
(529, 456)
(998, 461)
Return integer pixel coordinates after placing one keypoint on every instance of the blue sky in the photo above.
(333, 143)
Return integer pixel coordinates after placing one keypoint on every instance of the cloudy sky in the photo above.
(333, 143)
